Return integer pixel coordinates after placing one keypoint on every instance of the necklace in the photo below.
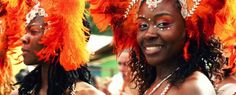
(159, 84)
(165, 89)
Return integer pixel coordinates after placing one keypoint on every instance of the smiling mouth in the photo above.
(150, 50)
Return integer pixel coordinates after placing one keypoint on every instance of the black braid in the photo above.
(31, 82)
(59, 80)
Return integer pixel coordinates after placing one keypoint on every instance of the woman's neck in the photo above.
(44, 76)
(164, 69)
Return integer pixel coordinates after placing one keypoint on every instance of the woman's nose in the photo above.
(25, 39)
(151, 33)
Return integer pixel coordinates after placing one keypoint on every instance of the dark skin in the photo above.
(161, 45)
(31, 41)
(161, 37)
(31, 45)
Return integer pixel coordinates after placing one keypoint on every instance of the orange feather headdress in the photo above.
(225, 29)
(10, 27)
(112, 12)
(220, 22)
(105, 13)
(65, 32)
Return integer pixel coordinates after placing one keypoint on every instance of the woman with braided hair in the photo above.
(174, 47)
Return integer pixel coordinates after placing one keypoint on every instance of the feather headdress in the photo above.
(5, 66)
(225, 29)
(10, 27)
(65, 33)
(111, 12)
(124, 26)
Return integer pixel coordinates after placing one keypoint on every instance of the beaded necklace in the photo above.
(159, 84)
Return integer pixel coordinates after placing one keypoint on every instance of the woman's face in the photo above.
(161, 33)
(31, 45)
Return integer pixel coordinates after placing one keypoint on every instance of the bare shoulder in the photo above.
(197, 84)
(83, 88)
(227, 89)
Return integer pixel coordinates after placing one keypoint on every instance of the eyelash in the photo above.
(143, 26)
(161, 26)
(33, 32)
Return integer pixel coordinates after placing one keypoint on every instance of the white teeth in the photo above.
(153, 48)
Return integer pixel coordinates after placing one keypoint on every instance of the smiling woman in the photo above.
(162, 37)
(160, 32)
(174, 50)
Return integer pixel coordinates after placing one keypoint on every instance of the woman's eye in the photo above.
(34, 29)
(163, 25)
(143, 26)
(34, 32)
